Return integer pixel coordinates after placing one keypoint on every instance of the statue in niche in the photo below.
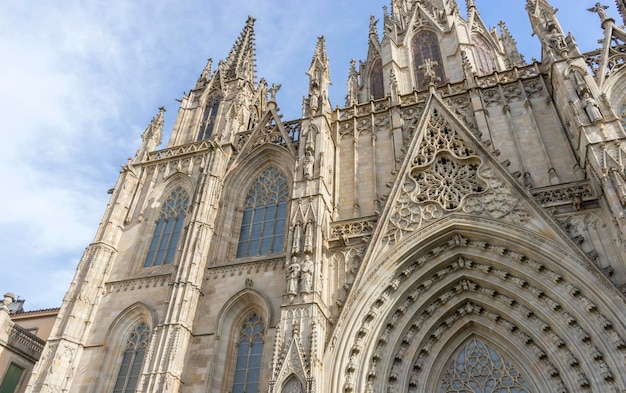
(307, 274)
(309, 162)
(591, 108)
(308, 238)
(295, 248)
(293, 273)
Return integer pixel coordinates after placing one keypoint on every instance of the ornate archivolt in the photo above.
(565, 336)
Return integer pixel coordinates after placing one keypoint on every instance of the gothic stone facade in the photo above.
(458, 225)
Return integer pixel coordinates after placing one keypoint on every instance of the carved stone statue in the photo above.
(556, 39)
(600, 10)
(307, 274)
(295, 248)
(591, 108)
(293, 274)
(308, 237)
(273, 90)
(307, 166)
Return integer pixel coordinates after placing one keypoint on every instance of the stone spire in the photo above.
(241, 61)
(205, 75)
(319, 80)
(514, 57)
(556, 46)
(151, 137)
(352, 98)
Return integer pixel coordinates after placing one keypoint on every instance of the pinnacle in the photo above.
(320, 50)
(241, 61)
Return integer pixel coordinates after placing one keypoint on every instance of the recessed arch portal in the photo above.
(533, 307)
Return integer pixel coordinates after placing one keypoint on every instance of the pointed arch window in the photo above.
(208, 117)
(478, 368)
(168, 229)
(425, 45)
(484, 56)
(132, 360)
(265, 210)
(249, 352)
(377, 87)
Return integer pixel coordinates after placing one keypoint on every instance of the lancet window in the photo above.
(249, 353)
(132, 360)
(377, 89)
(208, 117)
(265, 211)
(478, 368)
(484, 56)
(425, 46)
(168, 229)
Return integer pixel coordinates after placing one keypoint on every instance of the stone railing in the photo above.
(564, 194)
(189, 148)
(352, 228)
(25, 342)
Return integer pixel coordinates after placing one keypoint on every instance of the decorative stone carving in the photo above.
(293, 274)
(306, 274)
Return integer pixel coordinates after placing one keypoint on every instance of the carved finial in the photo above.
(373, 22)
(250, 21)
(273, 90)
(601, 11)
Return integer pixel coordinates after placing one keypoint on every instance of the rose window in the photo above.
(446, 181)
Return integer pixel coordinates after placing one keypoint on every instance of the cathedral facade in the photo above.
(457, 226)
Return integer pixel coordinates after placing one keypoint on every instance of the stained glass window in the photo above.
(132, 360)
(208, 117)
(478, 368)
(377, 88)
(249, 351)
(426, 46)
(486, 64)
(168, 228)
(265, 209)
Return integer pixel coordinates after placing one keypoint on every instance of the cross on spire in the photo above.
(430, 76)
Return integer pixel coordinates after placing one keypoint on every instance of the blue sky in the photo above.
(81, 80)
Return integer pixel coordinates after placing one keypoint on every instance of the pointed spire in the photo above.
(545, 25)
(514, 57)
(352, 98)
(241, 61)
(151, 137)
(205, 75)
(319, 80)
(320, 51)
